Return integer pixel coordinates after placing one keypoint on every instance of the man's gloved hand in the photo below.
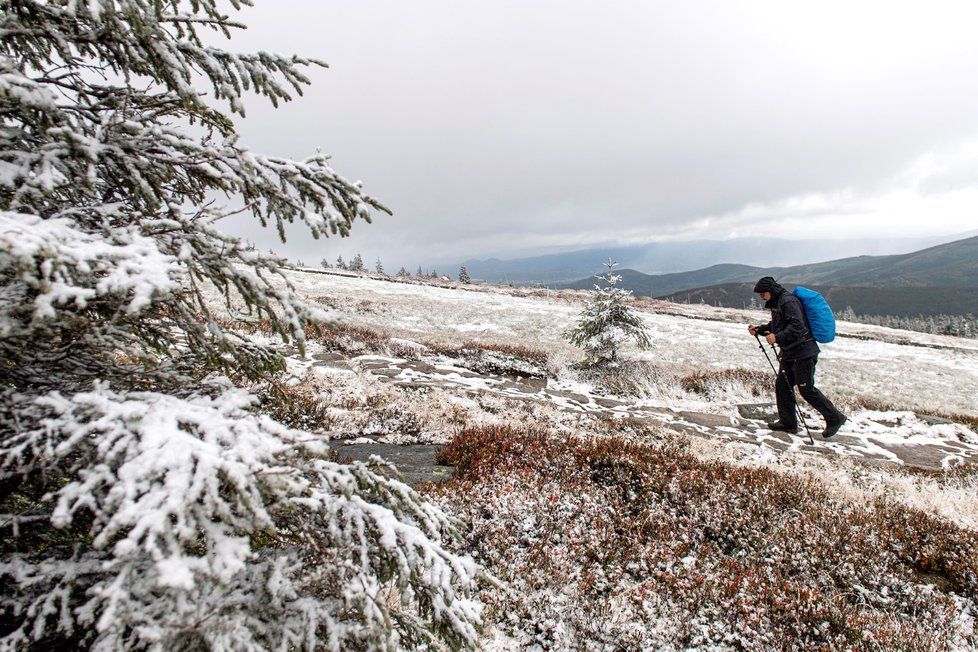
(752, 330)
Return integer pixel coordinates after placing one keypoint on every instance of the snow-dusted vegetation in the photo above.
(145, 500)
(607, 321)
(181, 415)
(647, 507)
(610, 544)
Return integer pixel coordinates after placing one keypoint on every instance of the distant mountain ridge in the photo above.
(655, 285)
(954, 264)
(678, 257)
(939, 279)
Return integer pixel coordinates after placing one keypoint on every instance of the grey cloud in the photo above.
(497, 126)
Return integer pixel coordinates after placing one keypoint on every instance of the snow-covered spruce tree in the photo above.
(340, 263)
(419, 273)
(144, 503)
(379, 268)
(607, 322)
(402, 272)
(356, 265)
(463, 275)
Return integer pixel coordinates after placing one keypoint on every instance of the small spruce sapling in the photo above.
(463, 275)
(607, 322)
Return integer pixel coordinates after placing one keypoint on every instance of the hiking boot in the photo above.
(833, 427)
(777, 425)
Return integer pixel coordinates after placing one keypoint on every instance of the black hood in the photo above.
(768, 284)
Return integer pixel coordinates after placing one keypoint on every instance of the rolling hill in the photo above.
(940, 279)
(681, 256)
(655, 285)
(954, 264)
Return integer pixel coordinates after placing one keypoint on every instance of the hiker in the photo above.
(789, 329)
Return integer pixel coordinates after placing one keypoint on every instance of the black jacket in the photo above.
(790, 326)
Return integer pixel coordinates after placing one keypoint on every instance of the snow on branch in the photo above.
(159, 42)
(54, 258)
(185, 499)
(165, 512)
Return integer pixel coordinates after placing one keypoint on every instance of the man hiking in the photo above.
(789, 329)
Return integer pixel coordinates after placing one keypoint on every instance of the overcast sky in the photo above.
(504, 127)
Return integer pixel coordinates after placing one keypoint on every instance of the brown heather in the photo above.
(703, 382)
(525, 353)
(635, 536)
(297, 406)
(357, 340)
(354, 340)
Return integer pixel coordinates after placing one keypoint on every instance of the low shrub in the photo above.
(632, 378)
(485, 358)
(520, 352)
(495, 359)
(609, 543)
(707, 383)
(297, 406)
(347, 339)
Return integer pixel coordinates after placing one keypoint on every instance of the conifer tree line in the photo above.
(356, 265)
(145, 502)
(954, 325)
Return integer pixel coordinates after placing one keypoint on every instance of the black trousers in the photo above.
(802, 374)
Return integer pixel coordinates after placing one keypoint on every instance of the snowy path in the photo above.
(887, 438)
(931, 373)
(918, 374)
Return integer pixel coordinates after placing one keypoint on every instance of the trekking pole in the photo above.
(777, 373)
(764, 351)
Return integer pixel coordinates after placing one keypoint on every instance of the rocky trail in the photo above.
(902, 439)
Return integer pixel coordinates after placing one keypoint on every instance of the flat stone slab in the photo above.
(331, 360)
(780, 436)
(758, 411)
(462, 373)
(609, 403)
(422, 367)
(518, 387)
(571, 396)
(707, 419)
(373, 365)
(932, 420)
(415, 462)
(534, 383)
(923, 457)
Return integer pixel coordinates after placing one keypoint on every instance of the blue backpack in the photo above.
(821, 321)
